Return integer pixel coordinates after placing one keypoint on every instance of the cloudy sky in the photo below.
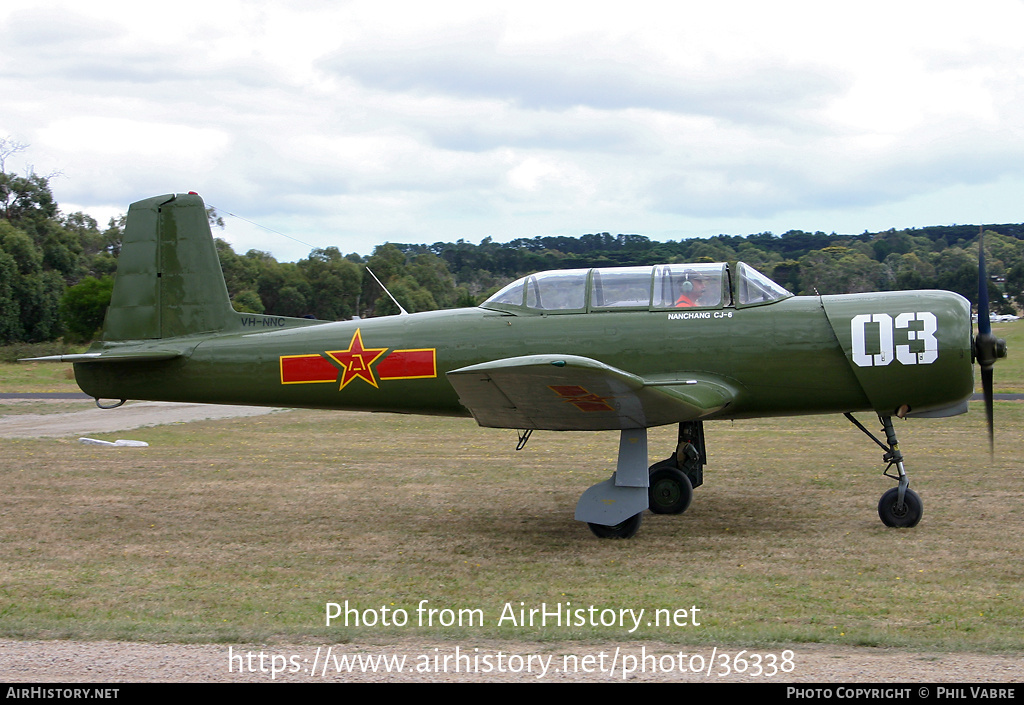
(355, 123)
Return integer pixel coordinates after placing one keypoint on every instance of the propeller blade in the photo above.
(984, 321)
(987, 348)
(986, 386)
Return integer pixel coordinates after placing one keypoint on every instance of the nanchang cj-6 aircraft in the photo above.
(623, 349)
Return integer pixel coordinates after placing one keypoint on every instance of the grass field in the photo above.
(1009, 372)
(243, 530)
(37, 377)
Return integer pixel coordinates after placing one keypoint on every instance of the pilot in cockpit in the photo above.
(692, 289)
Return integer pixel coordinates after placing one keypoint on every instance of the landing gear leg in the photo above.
(899, 506)
(614, 508)
(672, 480)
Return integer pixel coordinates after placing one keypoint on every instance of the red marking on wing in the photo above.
(581, 398)
(568, 390)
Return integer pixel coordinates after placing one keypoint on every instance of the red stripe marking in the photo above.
(408, 364)
(307, 368)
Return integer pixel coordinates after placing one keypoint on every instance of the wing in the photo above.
(572, 393)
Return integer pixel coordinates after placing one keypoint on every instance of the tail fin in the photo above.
(169, 282)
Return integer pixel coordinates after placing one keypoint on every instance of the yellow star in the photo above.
(356, 360)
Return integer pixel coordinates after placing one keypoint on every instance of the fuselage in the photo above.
(799, 355)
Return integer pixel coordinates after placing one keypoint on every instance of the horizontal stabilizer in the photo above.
(147, 356)
(573, 393)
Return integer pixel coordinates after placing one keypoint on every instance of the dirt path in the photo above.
(110, 662)
(131, 415)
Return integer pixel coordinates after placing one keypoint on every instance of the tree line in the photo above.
(57, 271)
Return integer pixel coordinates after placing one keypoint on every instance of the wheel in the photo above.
(625, 530)
(670, 491)
(905, 518)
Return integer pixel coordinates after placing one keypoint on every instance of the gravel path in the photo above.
(111, 662)
(131, 415)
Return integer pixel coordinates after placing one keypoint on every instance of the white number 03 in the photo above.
(887, 328)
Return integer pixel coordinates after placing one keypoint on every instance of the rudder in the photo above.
(169, 282)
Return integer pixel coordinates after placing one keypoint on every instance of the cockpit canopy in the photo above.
(657, 288)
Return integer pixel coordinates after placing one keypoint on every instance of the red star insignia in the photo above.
(356, 360)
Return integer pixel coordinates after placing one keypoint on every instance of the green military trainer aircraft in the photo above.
(623, 348)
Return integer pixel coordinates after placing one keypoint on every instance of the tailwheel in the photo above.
(670, 491)
(623, 530)
(892, 514)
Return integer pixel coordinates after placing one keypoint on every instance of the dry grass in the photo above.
(16, 407)
(243, 530)
(1009, 372)
(37, 377)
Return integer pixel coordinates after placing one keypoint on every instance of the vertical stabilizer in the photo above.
(169, 282)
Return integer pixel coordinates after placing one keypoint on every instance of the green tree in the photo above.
(36, 291)
(408, 292)
(240, 273)
(335, 282)
(247, 301)
(1015, 284)
(431, 273)
(83, 307)
(10, 319)
(911, 272)
(283, 287)
(26, 201)
(839, 270)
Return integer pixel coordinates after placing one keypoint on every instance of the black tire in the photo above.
(670, 491)
(625, 530)
(911, 513)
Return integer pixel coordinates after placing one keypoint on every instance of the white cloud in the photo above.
(411, 122)
(160, 144)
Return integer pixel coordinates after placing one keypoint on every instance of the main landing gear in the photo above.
(673, 480)
(900, 506)
(614, 508)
